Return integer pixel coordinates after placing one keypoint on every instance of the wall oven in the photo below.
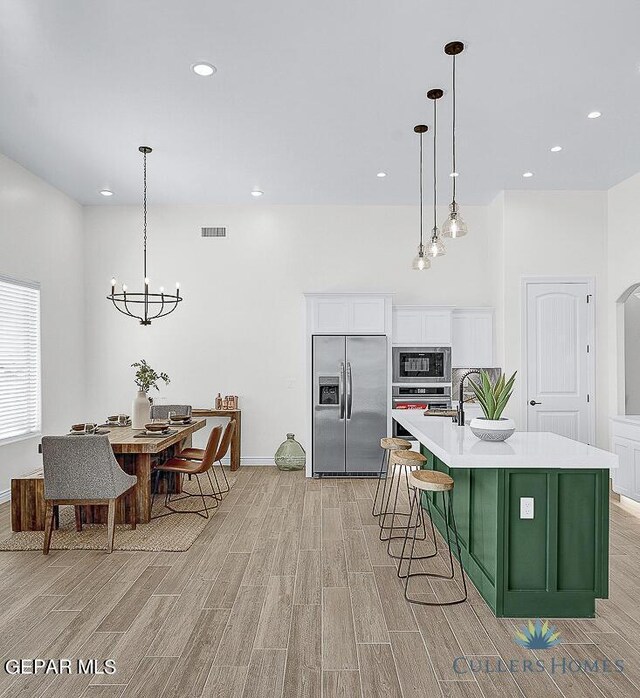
(422, 364)
(418, 398)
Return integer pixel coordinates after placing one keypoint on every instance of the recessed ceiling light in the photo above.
(106, 192)
(454, 174)
(556, 149)
(257, 192)
(204, 70)
(381, 174)
(527, 174)
(594, 115)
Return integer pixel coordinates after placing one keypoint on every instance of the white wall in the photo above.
(241, 327)
(623, 255)
(41, 240)
(552, 234)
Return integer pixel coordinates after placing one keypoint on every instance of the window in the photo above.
(19, 358)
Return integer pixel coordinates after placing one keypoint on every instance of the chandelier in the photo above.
(144, 306)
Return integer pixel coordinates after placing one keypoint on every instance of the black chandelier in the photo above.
(148, 306)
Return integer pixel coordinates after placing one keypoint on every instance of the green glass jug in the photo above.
(290, 455)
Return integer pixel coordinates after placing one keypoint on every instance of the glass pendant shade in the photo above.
(436, 247)
(454, 226)
(421, 261)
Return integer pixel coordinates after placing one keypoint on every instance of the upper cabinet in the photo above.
(353, 313)
(472, 338)
(422, 325)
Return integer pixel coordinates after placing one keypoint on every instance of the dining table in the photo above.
(137, 455)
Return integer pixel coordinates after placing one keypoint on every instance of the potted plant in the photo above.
(493, 398)
(145, 378)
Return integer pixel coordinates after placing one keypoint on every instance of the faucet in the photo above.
(459, 418)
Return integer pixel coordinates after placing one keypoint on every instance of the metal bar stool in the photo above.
(431, 481)
(387, 444)
(401, 462)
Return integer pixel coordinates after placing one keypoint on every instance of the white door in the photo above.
(558, 358)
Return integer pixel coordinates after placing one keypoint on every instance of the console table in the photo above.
(234, 416)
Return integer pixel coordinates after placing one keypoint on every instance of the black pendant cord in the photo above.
(421, 195)
(453, 128)
(144, 211)
(144, 228)
(435, 169)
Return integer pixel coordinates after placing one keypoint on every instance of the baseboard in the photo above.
(267, 460)
(5, 496)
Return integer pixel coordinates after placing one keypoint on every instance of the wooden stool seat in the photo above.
(430, 481)
(410, 459)
(392, 443)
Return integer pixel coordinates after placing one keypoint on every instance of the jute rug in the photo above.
(172, 533)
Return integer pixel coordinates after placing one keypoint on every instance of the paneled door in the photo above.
(558, 356)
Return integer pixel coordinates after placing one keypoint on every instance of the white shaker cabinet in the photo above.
(625, 443)
(421, 326)
(472, 338)
(349, 313)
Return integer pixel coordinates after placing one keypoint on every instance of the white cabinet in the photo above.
(356, 313)
(421, 325)
(625, 443)
(472, 338)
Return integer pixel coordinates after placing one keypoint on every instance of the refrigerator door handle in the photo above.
(341, 399)
(349, 390)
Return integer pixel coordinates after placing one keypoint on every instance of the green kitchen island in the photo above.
(532, 514)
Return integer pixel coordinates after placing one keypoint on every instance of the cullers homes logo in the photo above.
(537, 635)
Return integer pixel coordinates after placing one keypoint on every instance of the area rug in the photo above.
(171, 533)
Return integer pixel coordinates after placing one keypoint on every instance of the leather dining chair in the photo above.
(82, 470)
(183, 467)
(162, 411)
(197, 453)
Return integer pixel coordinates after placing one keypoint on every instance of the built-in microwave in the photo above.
(422, 364)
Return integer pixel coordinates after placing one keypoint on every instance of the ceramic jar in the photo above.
(140, 410)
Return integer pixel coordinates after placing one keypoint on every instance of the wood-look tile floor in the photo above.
(288, 593)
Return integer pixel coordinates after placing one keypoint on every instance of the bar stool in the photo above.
(431, 481)
(387, 444)
(400, 462)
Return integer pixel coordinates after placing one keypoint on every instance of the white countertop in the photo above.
(459, 448)
(633, 419)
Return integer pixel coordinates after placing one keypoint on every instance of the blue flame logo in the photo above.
(538, 635)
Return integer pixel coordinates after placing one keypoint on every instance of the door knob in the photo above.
(533, 402)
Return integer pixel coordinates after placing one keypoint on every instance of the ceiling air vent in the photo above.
(214, 232)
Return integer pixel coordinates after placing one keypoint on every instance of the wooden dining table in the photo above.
(136, 455)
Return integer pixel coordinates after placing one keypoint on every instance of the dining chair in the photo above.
(198, 453)
(162, 411)
(183, 467)
(82, 470)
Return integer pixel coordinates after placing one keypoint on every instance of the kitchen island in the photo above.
(532, 514)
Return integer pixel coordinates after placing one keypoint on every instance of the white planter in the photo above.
(140, 410)
(492, 429)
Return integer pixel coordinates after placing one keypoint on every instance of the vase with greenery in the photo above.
(145, 378)
(493, 398)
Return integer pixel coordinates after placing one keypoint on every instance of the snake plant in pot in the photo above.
(493, 398)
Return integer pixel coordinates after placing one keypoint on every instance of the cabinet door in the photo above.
(472, 340)
(436, 327)
(407, 327)
(635, 471)
(367, 315)
(331, 315)
(623, 476)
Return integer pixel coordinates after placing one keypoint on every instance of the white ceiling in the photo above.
(312, 99)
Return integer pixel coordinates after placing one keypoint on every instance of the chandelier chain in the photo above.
(144, 210)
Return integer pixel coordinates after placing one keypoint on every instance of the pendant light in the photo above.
(435, 248)
(454, 226)
(144, 306)
(421, 261)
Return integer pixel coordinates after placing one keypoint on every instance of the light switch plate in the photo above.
(526, 507)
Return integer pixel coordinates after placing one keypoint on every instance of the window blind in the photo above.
(20, 397)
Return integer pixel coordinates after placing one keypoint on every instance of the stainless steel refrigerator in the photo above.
(350, 403)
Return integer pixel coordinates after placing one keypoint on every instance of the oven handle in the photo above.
(341, 390)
